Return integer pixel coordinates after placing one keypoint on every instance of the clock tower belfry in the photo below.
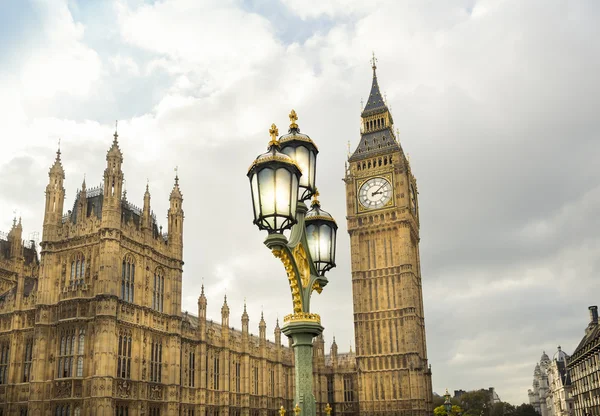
(383, 223)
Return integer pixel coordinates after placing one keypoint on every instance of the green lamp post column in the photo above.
(281, 180)
(447, 403)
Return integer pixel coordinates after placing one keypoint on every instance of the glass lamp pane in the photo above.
(324, 243)
(312, 237)
(313, 169)
(333, 243)
(303, 160)
(283, 192)
(266, 186)
(294, 197)
(255, 199)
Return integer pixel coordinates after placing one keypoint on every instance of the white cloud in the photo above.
(126, 64)
(494, 103)
(215, 38)
(310, 9)
(61, 62)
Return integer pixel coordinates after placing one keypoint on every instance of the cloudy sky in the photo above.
(496, 101)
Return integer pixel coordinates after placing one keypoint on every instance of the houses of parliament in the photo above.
(91, 320)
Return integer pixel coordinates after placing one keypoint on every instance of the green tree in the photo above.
(441, 411)
(502, 409)
(476, 403)
(525, 410)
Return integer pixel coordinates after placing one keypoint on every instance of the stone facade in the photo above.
(584, 369)
(539, 392)
(383, 223)
(94, 325)
(550, 394)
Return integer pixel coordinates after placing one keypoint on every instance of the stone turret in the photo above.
(277, 334)
(245, 324)
(113, 186)
(176, 220)
(15, 236)
(146, 215)
(225, 317)
(334, 353)
(55, 199)
(202, 313)
(262, 329)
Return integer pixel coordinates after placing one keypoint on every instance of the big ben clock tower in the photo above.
(383, 223)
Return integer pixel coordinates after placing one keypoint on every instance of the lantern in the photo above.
(447, 403)
(303, 151)
(274, 178)
(321, 231)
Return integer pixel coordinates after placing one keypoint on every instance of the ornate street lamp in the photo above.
(274, 180)
(303, 150)
(447, 403)
(280, 181)
(321, 231)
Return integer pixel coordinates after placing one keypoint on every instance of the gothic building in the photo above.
(584, 369)
(550, 394)
(539, 391)
(383, 223)
(92, 325)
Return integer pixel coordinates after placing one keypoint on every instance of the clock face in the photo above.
(375, 193)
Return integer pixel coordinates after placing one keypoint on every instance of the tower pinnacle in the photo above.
(374, 64)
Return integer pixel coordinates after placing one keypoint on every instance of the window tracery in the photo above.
(77, 276)
(70, 353)
(124, 355)
(158, 292)
(128, 279)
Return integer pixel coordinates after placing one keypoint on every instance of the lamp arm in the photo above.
(298, 263)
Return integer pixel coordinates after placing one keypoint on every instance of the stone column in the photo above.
(302, 334)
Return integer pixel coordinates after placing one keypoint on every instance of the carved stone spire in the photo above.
(262, 327)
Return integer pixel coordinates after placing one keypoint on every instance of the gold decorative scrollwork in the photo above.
(302, 263)
(302, 317)
(316, 286)
(289, 269)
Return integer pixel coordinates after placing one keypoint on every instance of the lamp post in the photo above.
(447, 403)
(281, 180)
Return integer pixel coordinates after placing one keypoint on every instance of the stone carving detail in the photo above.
(123, 388)
(62, 389)
(155, 393)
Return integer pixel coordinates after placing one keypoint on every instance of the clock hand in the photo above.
(378, 189)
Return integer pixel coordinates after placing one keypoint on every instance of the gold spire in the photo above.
(274, 133)
(297, 409)
(374, 63)
(293, 118)
(281, 411)
(315, 200)
(328, 409)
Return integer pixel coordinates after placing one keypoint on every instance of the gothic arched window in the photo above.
(158, 292)
(128, 279)
(77, 269)
(124, 356)
(70, 354)
(156, 361)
